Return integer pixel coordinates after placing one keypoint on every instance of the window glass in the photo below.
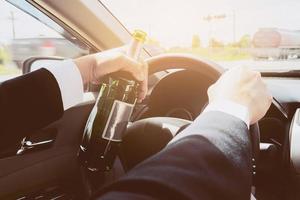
(263, 34)
(23, 36)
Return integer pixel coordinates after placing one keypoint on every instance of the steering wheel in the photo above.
(148, 136)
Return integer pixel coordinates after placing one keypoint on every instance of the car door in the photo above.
(43, 165)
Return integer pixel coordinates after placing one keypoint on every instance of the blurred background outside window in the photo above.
(259, 34)
(22, 36)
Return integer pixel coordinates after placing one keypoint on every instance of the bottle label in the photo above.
(117, 120)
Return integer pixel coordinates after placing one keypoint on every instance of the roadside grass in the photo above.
(8, 70)
(7, 67)
(216, 54)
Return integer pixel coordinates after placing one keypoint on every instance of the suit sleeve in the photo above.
(28, 103)
(212, 163)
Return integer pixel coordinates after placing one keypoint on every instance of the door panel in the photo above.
(53, 164)
(23, 174)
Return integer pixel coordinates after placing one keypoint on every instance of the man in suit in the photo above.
(208, 160)
(32, 101)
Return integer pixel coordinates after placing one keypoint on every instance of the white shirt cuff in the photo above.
(70, 82)
(228, 107)
(231, 108)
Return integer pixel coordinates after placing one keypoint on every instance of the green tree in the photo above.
(215, 43)
(152, 41)
(245, 41)
(4, 56)
(196, 42)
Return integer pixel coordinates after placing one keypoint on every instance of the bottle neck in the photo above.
(134, 49)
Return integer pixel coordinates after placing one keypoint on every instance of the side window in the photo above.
(23, 36)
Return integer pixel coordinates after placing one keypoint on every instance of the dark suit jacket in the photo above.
(28, 103)
(215, 164)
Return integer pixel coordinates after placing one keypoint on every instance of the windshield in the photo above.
(260, 34)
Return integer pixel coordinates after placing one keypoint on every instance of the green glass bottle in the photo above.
(109, 117)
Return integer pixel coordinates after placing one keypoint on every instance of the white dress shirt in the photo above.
(71, 87)
(230, 107)
(70, 82)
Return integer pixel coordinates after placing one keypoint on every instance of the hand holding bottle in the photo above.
(94, 66)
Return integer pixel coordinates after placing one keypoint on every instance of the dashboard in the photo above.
(183, 94)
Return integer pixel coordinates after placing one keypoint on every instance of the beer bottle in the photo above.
(110, 115)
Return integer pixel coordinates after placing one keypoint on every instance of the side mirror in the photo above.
(34, 63)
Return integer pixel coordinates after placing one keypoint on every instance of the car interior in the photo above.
(45, 165)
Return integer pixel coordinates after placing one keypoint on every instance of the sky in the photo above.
(25, 25)
(173, 22)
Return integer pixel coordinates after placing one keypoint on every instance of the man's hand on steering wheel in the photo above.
(245, 87)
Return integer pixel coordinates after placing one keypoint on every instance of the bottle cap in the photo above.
(139, 35)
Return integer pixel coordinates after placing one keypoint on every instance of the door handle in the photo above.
(28, 146)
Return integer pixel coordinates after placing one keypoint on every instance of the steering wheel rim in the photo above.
(184, 61)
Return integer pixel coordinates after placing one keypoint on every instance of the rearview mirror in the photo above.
(34, 63)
